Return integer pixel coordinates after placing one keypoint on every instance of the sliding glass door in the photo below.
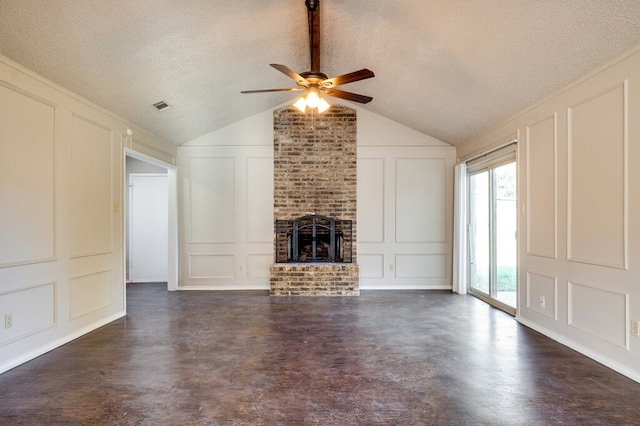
(492, 226)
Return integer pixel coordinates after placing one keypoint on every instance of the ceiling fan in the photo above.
(315, 83)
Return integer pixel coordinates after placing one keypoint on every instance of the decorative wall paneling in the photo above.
(38, 316)
(89, 293)
(259, 198)
(579, 189)
(405, 217)
(371, 266)
(91, 166)
(542, 294)
(542, 192)
(258, 266)
(597, 159)
(608, 322)
(380, 145)
(212, 202)
(371, 193)
(212, 266)
(226, 202)
(61, 222)
(27, 133)
(421, 200)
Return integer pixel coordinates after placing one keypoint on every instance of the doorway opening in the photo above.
(150, 216)
(492, 231)
(147, 225)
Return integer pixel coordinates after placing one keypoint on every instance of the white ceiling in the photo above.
(448, 68)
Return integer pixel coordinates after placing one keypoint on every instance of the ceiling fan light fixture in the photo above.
(323, 105)
(301, 104)
(311, 100)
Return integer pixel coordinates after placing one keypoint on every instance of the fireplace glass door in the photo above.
(314, 238)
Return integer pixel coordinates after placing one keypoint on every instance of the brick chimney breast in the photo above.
(315, 159)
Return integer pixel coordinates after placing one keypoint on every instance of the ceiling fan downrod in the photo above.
(312, 5)
(314, 34)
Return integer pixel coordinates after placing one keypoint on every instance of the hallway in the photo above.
(385, 358)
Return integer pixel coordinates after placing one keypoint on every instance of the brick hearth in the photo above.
(314, 279)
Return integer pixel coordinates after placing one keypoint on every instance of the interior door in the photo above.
(492, 226)
(148, 227)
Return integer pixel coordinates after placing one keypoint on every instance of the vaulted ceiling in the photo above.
(448, 68)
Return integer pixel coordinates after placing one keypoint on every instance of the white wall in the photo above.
(226, 206)
(405, 217)
(61, 221)
(579, 224)
(226, 216)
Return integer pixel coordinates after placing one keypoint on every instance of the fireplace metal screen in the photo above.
(314, 238)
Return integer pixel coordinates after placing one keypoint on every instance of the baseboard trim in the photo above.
(15, 362)
(606, 361)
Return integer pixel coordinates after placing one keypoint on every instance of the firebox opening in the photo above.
(313, 238)
(316, 249)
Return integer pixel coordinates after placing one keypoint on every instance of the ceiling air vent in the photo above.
(161, 106)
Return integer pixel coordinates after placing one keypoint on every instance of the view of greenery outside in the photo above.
(505, 177)
(506, 278)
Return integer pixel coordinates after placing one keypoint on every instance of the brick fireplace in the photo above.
(315, 176)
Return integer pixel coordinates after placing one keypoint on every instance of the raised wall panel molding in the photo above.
(91, 191)
(33, 308)
(542, 286)
(608, 322)
(371, 265)
(371, 200)
(598, 179)
(27, 161)
(211, 265)
(89, 293)
(421, 265)
(259, 200)
(405, 218)
(542, 188)
(421, 202)
(258, 265)
(212, 200)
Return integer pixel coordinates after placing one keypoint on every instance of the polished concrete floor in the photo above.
(385, 358)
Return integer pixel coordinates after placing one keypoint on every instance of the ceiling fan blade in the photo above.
(300, 80)
(348, 78)
(347, 95)
(291, 89)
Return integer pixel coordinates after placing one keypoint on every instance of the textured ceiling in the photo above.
(447, 68)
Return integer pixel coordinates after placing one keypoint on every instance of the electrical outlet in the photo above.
(391, 266)
(634, 328)
(542, 302)
(8, 320)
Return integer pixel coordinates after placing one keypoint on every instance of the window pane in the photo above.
(479, 249)
(506, 211)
